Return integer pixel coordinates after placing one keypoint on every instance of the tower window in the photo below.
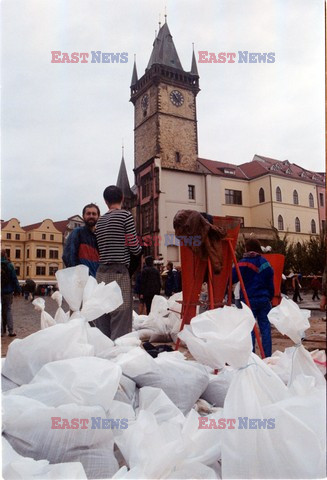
(191, 192)
(313, 226)
(321, 199)
(261, 195)
(311, 201)
(297, 225)
(278, 194)
(280, 223)
(177, 157)
(295, 198)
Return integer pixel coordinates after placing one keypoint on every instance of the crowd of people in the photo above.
(101, 245)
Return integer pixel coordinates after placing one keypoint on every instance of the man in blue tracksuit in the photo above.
(258, 278)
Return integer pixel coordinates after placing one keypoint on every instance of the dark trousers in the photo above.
(315, 294)
(6, 313)
(148, 302)
(260, 309)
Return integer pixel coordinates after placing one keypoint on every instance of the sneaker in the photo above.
(12, 335)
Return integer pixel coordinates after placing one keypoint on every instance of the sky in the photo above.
(63, 124)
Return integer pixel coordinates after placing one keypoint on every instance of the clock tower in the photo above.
(165, 108)
(165, 136)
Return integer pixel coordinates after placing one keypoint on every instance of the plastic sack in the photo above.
(46, 319)
(274, 448)
(220, 336)
(26, 356)
(100, 298)
(71, 283)
(135, 362)
(16, 467)
(182, 381)
(289, 319)
(27, 427)
(60, 316)
(216, 391)
(319, 357)
(83, 381)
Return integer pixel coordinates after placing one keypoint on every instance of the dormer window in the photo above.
(289, 171)
(286, 162)
(275, 167)
(229, 171)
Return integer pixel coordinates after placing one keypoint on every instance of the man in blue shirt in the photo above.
(258, 278)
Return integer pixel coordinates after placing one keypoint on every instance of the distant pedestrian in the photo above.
(323, 303)
(150, 283)
(315, 285)
(29, 289)
(296, 288)
(171, 285)
(9, 287)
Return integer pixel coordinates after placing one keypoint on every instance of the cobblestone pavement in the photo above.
(27, 321)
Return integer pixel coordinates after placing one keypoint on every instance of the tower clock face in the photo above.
(176, 98)
(145, 102)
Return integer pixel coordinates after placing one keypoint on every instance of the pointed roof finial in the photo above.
(155, 34)
(194, 68)
(164, 51)
(159, 21)
(134, 75)
(122, 148)
(165, 14)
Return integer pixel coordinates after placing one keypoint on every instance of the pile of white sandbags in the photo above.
(78, 405)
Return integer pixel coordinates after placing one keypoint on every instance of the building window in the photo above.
(240, 219)
(297, 225)
(321, 199)
(53, 253)
(233, 197)
(44, 236)
(177, 157)
(8, 236)
(295, 198)
(52, 271)
(191, 192)
(8, 252)
(261, 195)
(313, 226)
(17, 236)
(17, 270)
(146, 183)
(51, 237)
(28, 253)
(40, 253)
(29, 236)
(280, 223)
(27, 271)
(323, 227)
(146, 218)
(311, 201)
(40, 270)
(278, 195)
(17, 253)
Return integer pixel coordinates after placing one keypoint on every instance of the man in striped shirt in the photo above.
(117, 239)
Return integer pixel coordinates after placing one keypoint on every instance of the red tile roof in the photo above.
(220, 168)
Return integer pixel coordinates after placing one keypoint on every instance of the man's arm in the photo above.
(70, 256)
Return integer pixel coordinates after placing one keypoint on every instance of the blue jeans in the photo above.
(6, 313)
(260, 309)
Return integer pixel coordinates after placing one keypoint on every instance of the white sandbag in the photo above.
(319, 357)
(182, 381)
(220, 336)
(126, 390)
(83, 381)
(60, 316)
(155, 400)
(46, 319)
(27, 427)
(276, 450)
(17, 467)
(217, 389)
(26, 356)
(135, 362)
(289, 319)
(131, 341)
(7, 384)
(71, 283)
(99, 298)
